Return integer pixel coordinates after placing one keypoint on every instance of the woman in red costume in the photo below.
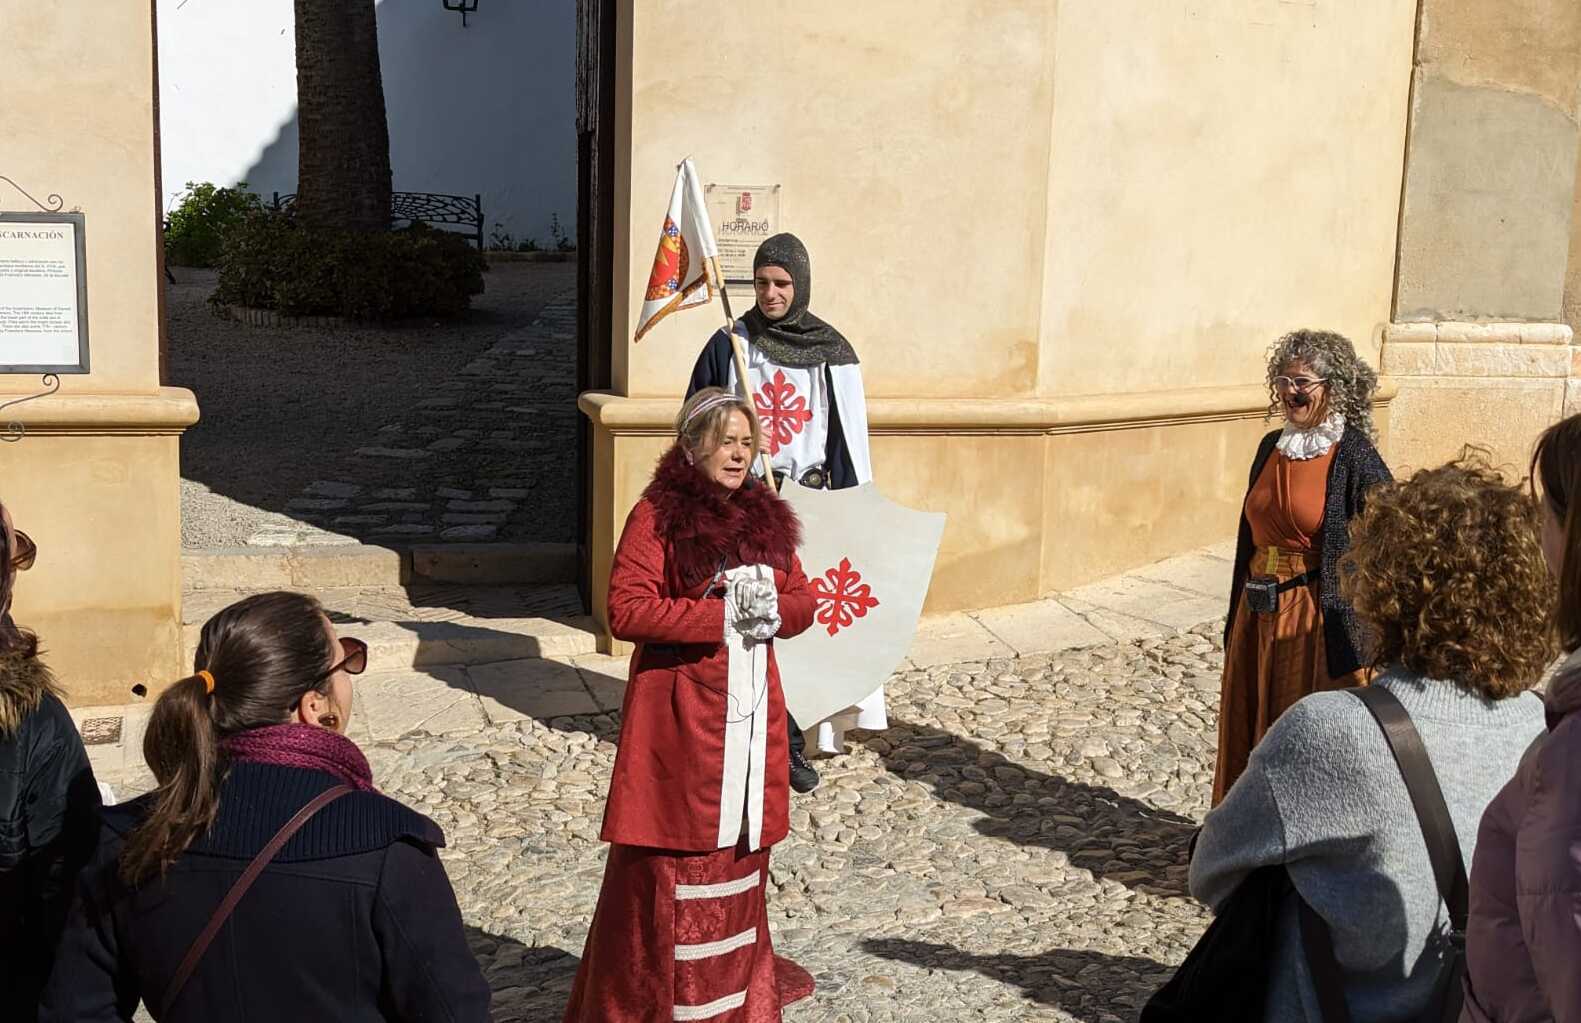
(705, 576)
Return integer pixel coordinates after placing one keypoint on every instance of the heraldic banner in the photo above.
(869, 561)
(679, 279)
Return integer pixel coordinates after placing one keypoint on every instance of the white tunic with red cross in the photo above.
(793, 406)
(792, 403)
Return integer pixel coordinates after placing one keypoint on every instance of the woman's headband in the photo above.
(708, 405)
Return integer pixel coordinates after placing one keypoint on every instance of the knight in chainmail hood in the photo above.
(798, 338)
(807, 387)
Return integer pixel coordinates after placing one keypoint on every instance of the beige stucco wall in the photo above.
(1572, 306)
(914, 164)
(1492, 164)
(95, 479)
(1060, 235)
(1489, 244)
(1222, 172)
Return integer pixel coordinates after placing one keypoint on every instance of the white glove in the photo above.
(755, 598)
(752, 608)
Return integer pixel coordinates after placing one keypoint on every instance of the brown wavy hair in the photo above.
(265, 652)
(1556, 464)
(1448, 568)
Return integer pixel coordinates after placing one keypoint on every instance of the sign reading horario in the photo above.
(43, 294)
(746, 215)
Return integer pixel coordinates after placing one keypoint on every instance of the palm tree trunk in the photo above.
(343, 169)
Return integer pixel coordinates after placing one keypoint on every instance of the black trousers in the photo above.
(798, 742)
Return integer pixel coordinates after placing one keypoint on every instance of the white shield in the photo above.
(869, 562)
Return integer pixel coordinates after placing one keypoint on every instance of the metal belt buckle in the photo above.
(816, 477)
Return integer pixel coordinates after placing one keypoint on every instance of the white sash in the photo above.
(746, 732)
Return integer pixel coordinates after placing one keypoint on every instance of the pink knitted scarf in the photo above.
(299, 745)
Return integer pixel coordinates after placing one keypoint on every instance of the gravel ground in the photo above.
(284, 407)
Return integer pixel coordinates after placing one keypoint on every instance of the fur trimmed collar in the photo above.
(24, 681)
(708, 527)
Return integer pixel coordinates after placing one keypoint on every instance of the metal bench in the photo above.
(432, 208)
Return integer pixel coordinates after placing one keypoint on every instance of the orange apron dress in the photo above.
(1272, 660)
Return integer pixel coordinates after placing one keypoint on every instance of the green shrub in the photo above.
(269, 262)
(200, 222)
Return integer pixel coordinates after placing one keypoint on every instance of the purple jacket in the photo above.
(1523, 937)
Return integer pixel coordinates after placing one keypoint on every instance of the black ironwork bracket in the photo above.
(51, 204)
(14, 430)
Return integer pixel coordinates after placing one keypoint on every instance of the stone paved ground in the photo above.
(388, 433)
(1013, 848)
(489, 454)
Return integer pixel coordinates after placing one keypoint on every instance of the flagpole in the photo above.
(741, 365)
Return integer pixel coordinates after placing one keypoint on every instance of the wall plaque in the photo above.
(744, 217)
(43, 293)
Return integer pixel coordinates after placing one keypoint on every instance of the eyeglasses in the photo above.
(26, 552)
(353, 659)
(1301, 385)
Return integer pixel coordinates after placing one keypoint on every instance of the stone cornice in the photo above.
(1024, 416)
(169, 410)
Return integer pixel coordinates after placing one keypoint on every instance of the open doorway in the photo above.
(595, 217)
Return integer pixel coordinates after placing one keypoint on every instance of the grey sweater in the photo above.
(1322, 795)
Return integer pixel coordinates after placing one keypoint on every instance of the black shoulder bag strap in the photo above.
(232, 897)
(1443, 850)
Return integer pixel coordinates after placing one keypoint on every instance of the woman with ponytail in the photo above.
(49, 804)
(265, 878)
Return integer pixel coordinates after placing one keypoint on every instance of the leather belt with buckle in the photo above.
(815, 478)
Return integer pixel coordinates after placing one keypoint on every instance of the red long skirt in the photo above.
(683, 936)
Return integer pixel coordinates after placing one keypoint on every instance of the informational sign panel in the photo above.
(43, 294)
(744, 217)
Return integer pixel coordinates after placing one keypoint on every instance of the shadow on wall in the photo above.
(488, 109)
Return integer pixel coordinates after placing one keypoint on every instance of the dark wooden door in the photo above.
(595, 241)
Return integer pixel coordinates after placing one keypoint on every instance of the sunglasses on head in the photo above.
(26, 552)
(353, 658)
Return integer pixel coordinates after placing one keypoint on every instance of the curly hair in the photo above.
(1351, 382)
(1447, 567)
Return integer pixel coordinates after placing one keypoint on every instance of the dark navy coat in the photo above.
(355, 920)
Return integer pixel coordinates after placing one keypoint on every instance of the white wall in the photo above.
(488, 109)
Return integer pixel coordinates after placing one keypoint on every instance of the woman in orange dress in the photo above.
(1290, 632)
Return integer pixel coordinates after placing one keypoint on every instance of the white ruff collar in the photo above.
(1299, 445)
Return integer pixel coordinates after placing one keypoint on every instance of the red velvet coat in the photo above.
(669, 768)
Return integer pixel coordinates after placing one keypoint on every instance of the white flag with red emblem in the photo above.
(869, 561)
(680, 272)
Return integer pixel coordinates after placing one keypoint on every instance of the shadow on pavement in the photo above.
(530, 985)
(1114, 836)
(1091, 986)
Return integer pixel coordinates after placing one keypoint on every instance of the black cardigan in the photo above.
(1356, 468)
(713, 370)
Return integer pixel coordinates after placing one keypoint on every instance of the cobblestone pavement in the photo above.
(387, 433)
(488, 456)
(1013, 848)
